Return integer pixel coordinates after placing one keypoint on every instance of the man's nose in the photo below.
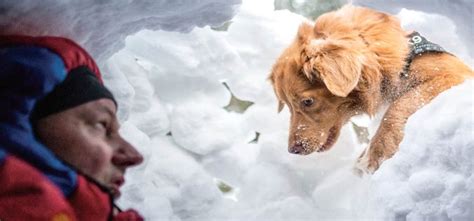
(127, 155)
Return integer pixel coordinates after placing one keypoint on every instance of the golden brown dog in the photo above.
(352, 61)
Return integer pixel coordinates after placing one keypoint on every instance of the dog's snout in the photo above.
(297, 148)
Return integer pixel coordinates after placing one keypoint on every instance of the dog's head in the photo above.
(328, 74)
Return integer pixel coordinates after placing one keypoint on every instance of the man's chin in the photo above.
(115, 186)
(115, 193)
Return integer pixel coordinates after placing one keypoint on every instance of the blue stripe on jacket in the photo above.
(27, 73)
(3, 156)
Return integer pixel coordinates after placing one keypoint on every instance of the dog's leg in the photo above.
(390, 132)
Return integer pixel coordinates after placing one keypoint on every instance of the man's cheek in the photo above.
(100, 161)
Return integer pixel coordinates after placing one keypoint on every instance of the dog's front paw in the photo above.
(363, 165)
(381, 148)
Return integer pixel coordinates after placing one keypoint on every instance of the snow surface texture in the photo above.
(431, 177)
(170, 94)
(183, 73)
(102, 26)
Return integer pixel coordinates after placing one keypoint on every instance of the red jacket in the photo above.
(25, 194)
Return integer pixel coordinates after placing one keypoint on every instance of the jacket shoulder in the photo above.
(27, 195)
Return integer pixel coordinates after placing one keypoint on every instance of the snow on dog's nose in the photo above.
(297, 148)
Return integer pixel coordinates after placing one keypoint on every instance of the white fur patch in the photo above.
(316, 42)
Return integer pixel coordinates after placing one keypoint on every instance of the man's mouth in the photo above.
(115, 186)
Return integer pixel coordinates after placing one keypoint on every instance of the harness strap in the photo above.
(418, 46)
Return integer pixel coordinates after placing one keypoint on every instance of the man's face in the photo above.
(87, 137)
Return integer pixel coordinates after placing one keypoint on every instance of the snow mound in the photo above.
(431, 176)
(203, 129)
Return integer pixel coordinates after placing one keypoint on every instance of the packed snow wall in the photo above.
(205, 160)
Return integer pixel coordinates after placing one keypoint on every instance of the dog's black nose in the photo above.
(296, 149)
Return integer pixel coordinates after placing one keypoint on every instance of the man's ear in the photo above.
(338, 66)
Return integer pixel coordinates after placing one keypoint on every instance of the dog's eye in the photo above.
(307, 102)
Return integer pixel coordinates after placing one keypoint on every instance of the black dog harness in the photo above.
(418, 46)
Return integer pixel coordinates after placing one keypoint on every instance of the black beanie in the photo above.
(80, 86)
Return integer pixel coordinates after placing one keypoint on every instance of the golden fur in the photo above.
(348, 63)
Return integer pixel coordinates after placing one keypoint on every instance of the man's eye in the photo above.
(307, 102)
(101, 125)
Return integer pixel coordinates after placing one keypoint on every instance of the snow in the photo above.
(203, 129)
(171, 98)
(433, 169)
(101, 27)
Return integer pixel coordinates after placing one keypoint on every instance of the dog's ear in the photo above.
(305, 33)
(281, 105)
(339, 66)
(342, 78)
